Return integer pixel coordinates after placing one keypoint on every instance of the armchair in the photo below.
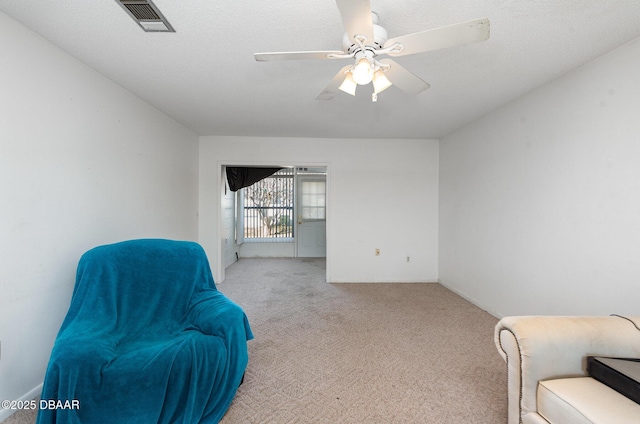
(147, 339)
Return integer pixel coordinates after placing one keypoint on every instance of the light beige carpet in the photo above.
(359, 353)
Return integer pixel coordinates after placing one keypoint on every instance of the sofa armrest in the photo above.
(544, 347)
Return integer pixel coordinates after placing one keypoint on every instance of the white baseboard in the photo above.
(394, 281)
(31, 394)
(490, 311)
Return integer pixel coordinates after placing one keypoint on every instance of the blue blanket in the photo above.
(147, 339)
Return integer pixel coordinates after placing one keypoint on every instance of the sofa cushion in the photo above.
(581, 400)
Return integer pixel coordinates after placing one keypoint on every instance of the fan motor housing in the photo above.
(379, 38)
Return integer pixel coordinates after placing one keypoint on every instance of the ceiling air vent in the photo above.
(147, 15)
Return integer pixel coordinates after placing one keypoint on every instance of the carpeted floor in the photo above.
(359, 353)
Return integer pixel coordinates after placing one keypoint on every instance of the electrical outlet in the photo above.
(408, 258)
(377, 252)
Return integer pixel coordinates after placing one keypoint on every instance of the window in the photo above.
(268, 208)
(313, 199)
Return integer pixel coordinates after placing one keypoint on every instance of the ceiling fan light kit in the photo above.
(365, 40)
(348, 84)
(368, 72)
(362, 71)
(380, 81)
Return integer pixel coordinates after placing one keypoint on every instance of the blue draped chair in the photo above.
(147, 339)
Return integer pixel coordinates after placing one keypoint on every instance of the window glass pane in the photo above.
(313, 200)
(268, 208)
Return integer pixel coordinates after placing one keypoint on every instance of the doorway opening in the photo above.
(283, 215)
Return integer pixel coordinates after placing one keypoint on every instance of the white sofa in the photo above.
(546, 368)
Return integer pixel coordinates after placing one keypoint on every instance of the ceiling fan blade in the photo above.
(332, 88)
(403, 79)
(443, 37)
(265, 57)
(356, 18)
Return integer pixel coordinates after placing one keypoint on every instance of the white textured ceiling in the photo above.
(205, 77)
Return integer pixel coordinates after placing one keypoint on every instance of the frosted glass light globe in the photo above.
(363, 72)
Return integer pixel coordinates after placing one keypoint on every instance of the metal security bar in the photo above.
(268, 208)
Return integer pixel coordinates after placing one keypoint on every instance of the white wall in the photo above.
(540, 200)
(381, 194)
(261, 249)
(229, 200)
(82, 163)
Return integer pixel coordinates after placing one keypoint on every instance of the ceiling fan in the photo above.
(365, 40)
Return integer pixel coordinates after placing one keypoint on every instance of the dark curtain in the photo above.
(239, 177)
